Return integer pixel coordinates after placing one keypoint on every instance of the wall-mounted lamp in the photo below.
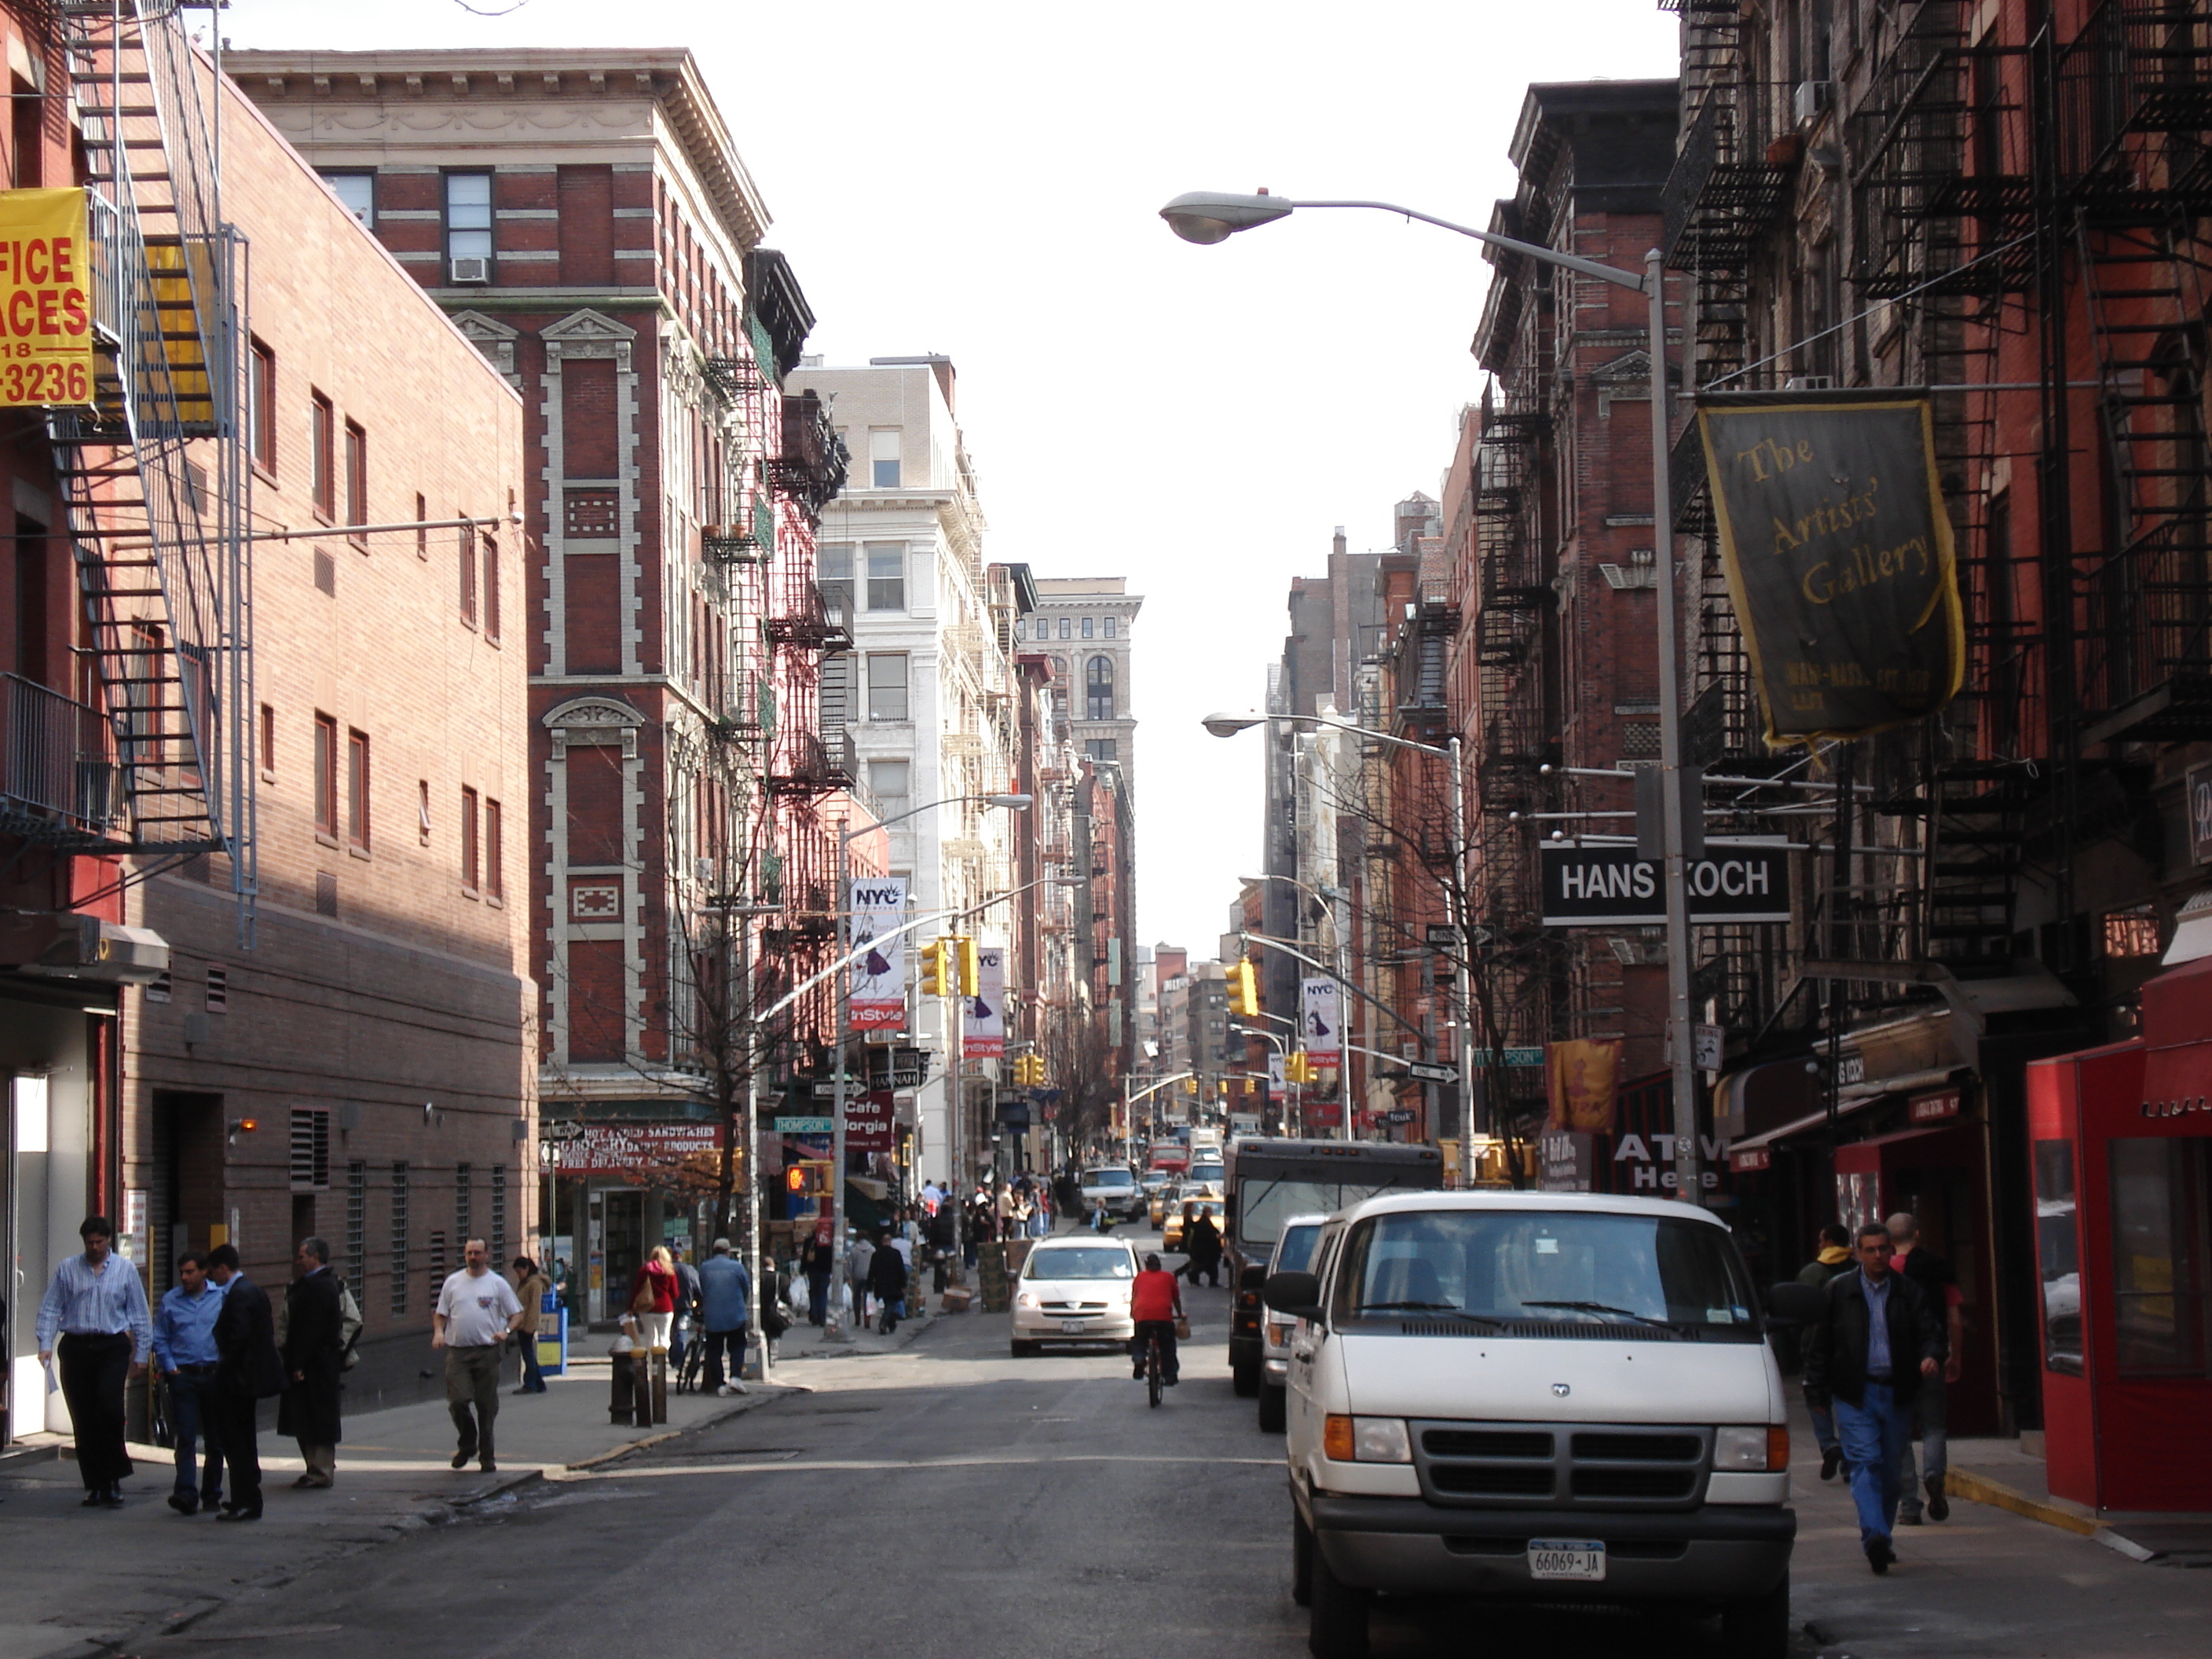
(242, 1126)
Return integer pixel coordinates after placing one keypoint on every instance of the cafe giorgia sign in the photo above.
(1839, 556)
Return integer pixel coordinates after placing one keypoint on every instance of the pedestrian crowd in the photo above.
(1878, 1361)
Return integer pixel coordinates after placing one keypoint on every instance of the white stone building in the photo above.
(1085, 624)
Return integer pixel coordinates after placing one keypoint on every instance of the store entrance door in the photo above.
(623, 1216)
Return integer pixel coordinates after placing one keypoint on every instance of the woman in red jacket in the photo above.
(1155, 1303)
(653, 1299)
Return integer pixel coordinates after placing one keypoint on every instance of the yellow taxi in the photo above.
(1211, 1204)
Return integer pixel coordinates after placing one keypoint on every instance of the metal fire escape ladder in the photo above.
(155, 524)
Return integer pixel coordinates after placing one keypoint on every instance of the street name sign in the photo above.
(1611, 887)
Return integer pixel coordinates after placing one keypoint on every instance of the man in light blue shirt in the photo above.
(725, 1292)
(185, 1355)
(95, 1308)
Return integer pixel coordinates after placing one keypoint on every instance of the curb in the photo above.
(902, 1338)
(1963, 1483)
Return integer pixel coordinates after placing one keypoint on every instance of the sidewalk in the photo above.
(79, 1580)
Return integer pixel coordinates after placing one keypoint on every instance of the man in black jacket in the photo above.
(247, 1371)
(1877, 1339)
(314, 1362)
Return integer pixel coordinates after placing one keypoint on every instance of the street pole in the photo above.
(1463, 979)
(1681, 1031)
(833, 1326)
(752, 1215)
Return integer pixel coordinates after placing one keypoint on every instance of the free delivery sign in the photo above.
(45, 299)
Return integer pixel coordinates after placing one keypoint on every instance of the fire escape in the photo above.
(155, 759)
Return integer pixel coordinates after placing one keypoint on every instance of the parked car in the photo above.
(1615, 1433)
(1293, 1253)
(1074, 1289)
(1113, 1188)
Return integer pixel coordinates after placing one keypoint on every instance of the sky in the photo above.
(983, 180)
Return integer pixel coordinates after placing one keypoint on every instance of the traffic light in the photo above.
(1297, 1068)
(1190, 1086)
(936, 980)
(1244, 992)
(1029, 1071)
(971, 968)
(808, 1179)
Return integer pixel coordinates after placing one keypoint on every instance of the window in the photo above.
(463, 1206)
(399, 1237)
(358, 191)
(422, 526)
(491, 589)
(357, 789)
(1066, 627)
(260, 408)
(890, 780)
(836, 691)
(498, 1239)
(1101, 749)
(494, 885)
(327, 776)
(883, 458)
(833, 569)
(886, 575)
(469, 574)
(311, 1149)
(2163, 1254)
(322, 462)
(356, 1234)
(1098, 688)
(887, 685)
(1106, 626)
(356, 479)
(422, 810)
(1086, 628)
(268, 743)
(2132, 932)
(471, 854)
(468, 217)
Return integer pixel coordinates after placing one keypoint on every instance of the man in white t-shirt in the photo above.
(478, 1309)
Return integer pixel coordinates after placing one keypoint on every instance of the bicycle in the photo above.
(1155, 1383)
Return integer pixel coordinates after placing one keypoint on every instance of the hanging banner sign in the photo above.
(1839, 556)
(870, 1122)
(1323, 1026)
(45, 299)
(984, 1035)
(1275, 1079)
(1611, 887)
(878, 975)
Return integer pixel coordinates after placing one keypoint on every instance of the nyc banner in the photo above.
(984, 1035)
(45, 299)
(878, 974)
(1839, 556)
(1322, 1027)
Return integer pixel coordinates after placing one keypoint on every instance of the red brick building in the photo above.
(586, 219)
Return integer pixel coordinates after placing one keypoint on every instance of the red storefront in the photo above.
(2123, 1157)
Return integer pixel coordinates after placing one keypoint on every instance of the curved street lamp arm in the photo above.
(1278, 945)
(1614, 274)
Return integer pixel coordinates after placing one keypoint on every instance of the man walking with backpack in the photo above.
(313, 1345)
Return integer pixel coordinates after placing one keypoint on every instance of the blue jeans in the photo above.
(533, 1379)
(1931, 1415)
(1824, 1426)
(192, 1420)
(1874, 1433)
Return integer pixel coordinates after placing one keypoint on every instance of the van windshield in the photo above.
(1078, 1261)
(1295, 1254)
(1526, 1273)
(1109, 1178)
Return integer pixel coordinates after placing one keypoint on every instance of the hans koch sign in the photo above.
(1611, 887)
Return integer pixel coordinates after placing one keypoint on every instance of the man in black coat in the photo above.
(887, 1277)
(314, 1363)
(1876, 1339)
(248, 1370)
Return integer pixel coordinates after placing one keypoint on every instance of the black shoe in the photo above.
(461, 1457)
(1939, 1505)
(111, 1499)
(211, 1499)
(1908, 1517)
(1879, 1555)
(184, 1503)
(488, 1468)
(1831, 1460)
(228, 1514)
(94, 1498)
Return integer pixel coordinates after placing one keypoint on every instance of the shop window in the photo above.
(2161, 1263)
(2132, 932)
(2059, 1251)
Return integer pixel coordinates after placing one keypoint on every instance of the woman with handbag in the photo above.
(1156, 1306)
(653, 1300)
(531, 1286)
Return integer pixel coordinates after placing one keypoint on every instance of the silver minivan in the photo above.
(1535, 1396)
(1293, 1253)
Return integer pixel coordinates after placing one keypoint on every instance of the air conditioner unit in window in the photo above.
(1809, 383)
(471, 270)
(1808, 99)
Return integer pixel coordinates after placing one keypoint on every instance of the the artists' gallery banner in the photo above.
(1838, 556)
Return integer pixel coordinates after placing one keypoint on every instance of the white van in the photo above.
(1536, 1396)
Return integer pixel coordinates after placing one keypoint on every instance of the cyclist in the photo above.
(1155, 1303)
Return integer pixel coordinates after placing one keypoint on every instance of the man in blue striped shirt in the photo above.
(97, 1308)
(185, 1355)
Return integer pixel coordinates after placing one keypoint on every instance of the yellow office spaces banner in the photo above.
(45, 299)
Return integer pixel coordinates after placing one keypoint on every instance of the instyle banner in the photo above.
(45, 299)
(984, 1035)
(879, 974)
(1275, 1079)
(1323, 1025)
(1838, 556)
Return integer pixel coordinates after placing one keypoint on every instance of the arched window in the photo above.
(1098, 688)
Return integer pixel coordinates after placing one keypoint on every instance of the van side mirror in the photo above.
(1796, 1303)
(1296, 1294)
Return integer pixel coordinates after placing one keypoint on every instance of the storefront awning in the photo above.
(1754, 1151)
(2192, 931)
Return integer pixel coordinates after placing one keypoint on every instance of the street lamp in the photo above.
(832, 1328)
(1223, 725)
(1210, 216)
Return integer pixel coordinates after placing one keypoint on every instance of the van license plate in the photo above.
(1578, 1558)
(1070, 1327)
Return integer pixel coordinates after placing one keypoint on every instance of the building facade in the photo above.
(1084, 624)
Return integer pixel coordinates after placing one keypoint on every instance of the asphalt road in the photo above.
(949, 1499)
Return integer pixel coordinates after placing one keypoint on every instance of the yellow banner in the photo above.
(45, 299)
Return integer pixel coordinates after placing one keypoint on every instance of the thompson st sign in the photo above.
(1611, 887)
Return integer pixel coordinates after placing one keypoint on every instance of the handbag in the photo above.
(644, 1301)
(1182, 1327)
